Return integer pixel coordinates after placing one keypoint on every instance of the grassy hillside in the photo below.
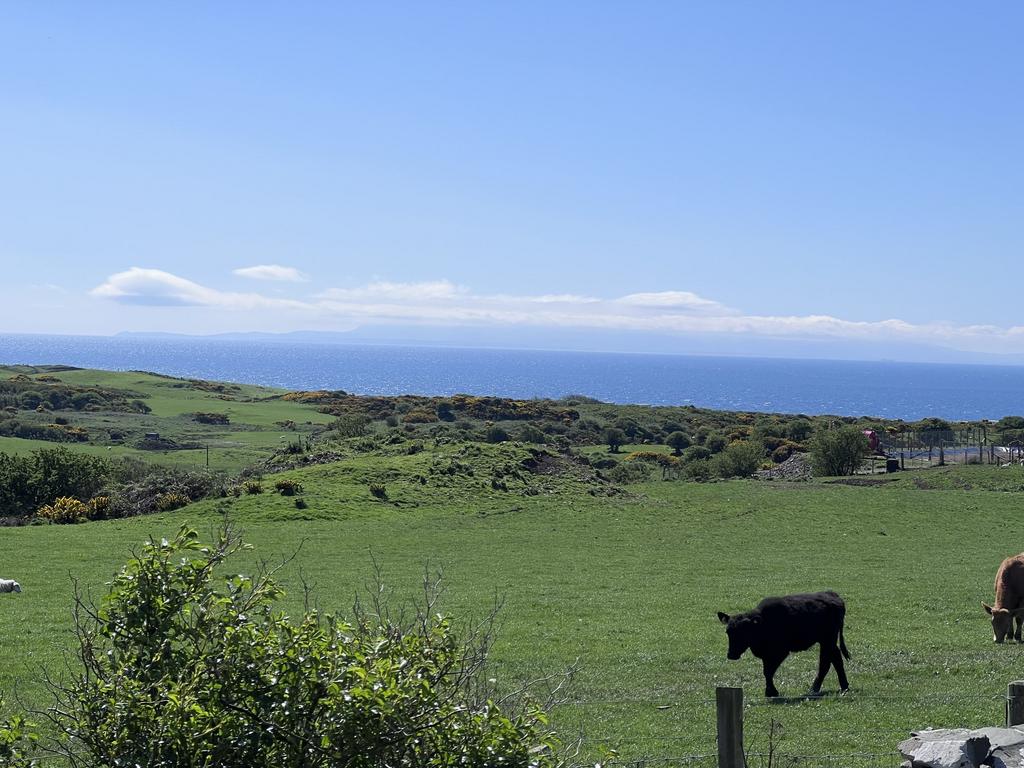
(259, 420)
(629, 583)
(626, 577)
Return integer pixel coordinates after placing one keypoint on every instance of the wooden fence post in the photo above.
(729, 702)
(1015, 703)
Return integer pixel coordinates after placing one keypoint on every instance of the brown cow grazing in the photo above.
(1009, 599)
(779, 626)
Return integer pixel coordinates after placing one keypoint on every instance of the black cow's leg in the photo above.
(771, 664)
(824, 662)
(1019, 621)
(837, 662)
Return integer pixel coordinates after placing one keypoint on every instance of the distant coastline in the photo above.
(848, 388)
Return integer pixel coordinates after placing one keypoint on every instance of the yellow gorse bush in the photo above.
(65, 509)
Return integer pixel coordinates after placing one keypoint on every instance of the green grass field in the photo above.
(629, 585)
(254, 431)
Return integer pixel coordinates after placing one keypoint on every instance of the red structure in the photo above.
(873, 443)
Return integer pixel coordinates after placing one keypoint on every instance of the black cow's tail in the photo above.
(842, 644)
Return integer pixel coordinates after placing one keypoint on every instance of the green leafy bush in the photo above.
(29, 482)
(698, 470)
(740, 459)
(630, 472)
(696, 453)
(18, 742)
(179, 668)
(838, 451)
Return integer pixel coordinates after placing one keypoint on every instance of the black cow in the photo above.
(782, 625)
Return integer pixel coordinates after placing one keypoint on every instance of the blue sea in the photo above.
(886, 389)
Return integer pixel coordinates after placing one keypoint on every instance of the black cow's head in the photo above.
(742, 630)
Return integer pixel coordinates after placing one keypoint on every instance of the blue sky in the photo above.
(838, 179)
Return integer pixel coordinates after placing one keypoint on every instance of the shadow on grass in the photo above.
(809, 696)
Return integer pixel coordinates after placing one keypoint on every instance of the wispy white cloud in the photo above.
(272, 272)
(681, 300)
(444, 303)
(385, 291)
(154, 287)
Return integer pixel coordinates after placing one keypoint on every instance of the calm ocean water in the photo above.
(893, 390)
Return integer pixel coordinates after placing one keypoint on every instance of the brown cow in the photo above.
(1009, 599)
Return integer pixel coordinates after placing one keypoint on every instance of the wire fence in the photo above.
(851, 731)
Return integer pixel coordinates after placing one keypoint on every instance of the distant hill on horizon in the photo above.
(613, 342)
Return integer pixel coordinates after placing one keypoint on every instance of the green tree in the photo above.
(615, 438)
(183, 669)
(678, 441)
(838, 451)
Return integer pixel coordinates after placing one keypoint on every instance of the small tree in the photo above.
(614, 437)
(177, 671)
(838, 451)
(678, 441)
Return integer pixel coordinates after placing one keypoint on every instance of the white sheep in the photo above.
(9, 585)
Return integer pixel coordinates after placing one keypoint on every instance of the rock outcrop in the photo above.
(964, 748)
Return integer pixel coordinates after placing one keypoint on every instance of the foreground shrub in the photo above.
(182, 668)
(18, 743)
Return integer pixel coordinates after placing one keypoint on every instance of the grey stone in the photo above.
(945, 748)
(1007, 747)
(964, 748)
